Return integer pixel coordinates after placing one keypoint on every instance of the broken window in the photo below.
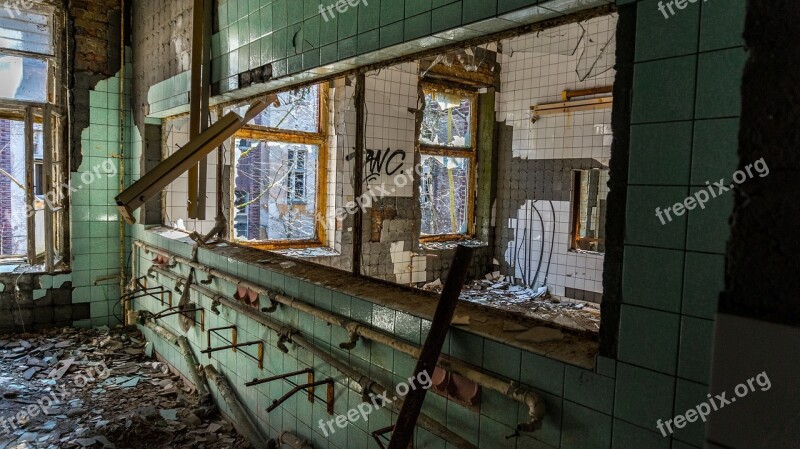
(590, 190)
(447, 147)
(277, 161)
(32, 163)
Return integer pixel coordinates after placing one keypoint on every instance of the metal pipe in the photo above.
(507, 388)
(243, 423)
(293, 441)
(424, 421)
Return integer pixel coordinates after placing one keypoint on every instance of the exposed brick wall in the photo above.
(95, 55)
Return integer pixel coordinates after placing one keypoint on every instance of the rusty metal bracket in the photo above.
(234, 346)
(214, 331)
(208, 280)
(352, 335)
(328, 402)
(185, 312)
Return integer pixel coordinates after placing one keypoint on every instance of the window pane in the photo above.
(446, 120)
(444, 189)
(590, 216)
(13, 217)
(23, 78)
(298, 111)
(275, 192)
(26, 31)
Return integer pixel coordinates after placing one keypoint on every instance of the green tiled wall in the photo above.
(94, 215)
(684, 124)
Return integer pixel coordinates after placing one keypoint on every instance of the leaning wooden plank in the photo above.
(432, 349)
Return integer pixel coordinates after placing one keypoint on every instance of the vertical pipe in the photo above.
(358, 187)
(29, 198)
(122, 145)
(47, 186)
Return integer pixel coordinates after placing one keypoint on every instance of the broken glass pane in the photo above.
(444, 188)
(23, 78)
(275, 195)
(447, 120)
(13, 213)
(298, 111)
(26, 31)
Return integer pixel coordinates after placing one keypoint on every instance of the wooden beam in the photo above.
(432, 349)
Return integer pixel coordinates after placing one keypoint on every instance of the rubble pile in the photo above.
(98, 388)
(496, 291)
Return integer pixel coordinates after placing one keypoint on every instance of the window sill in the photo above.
(586, 252)
(443, 245)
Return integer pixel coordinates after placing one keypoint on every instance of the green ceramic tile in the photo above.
(368, 42)
(589, 389)
(392, 11)
(311, 8)
(494, 435)
(280, 14)
(714, 155)
(294, 12)
(446, 17)
(663, 90)
(641, 330)
(414, 7)
(704, 279)
(504, 6)
(542, 373)
(417, 26)
(407, 327)
(652, 277)
(719, 80)
(502, 359)
(311, 59)
(348, 23)
(311, 30)
(660, 153)
(328, 31)
(694, 361)
(464, 422)
(687, 396)
(348, 47)
(391, 34)
(628, 436)
(709, 228)
(499, 407)
(660, 37)
(585, 428)
(721, 25)
(466, 346)
(643, 226)
(369, 16)
(475, 10)
(643, 396)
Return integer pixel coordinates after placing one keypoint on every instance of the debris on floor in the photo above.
(95, 388)
(495, 291)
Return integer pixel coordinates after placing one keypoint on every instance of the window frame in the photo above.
(470, 153)
(265, 133)
(51, 115)
(577, 214)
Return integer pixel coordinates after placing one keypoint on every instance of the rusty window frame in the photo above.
(318, 138)
(460, 152)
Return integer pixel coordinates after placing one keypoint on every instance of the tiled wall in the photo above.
(536, 168)
(684, 113)
(94, 214)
